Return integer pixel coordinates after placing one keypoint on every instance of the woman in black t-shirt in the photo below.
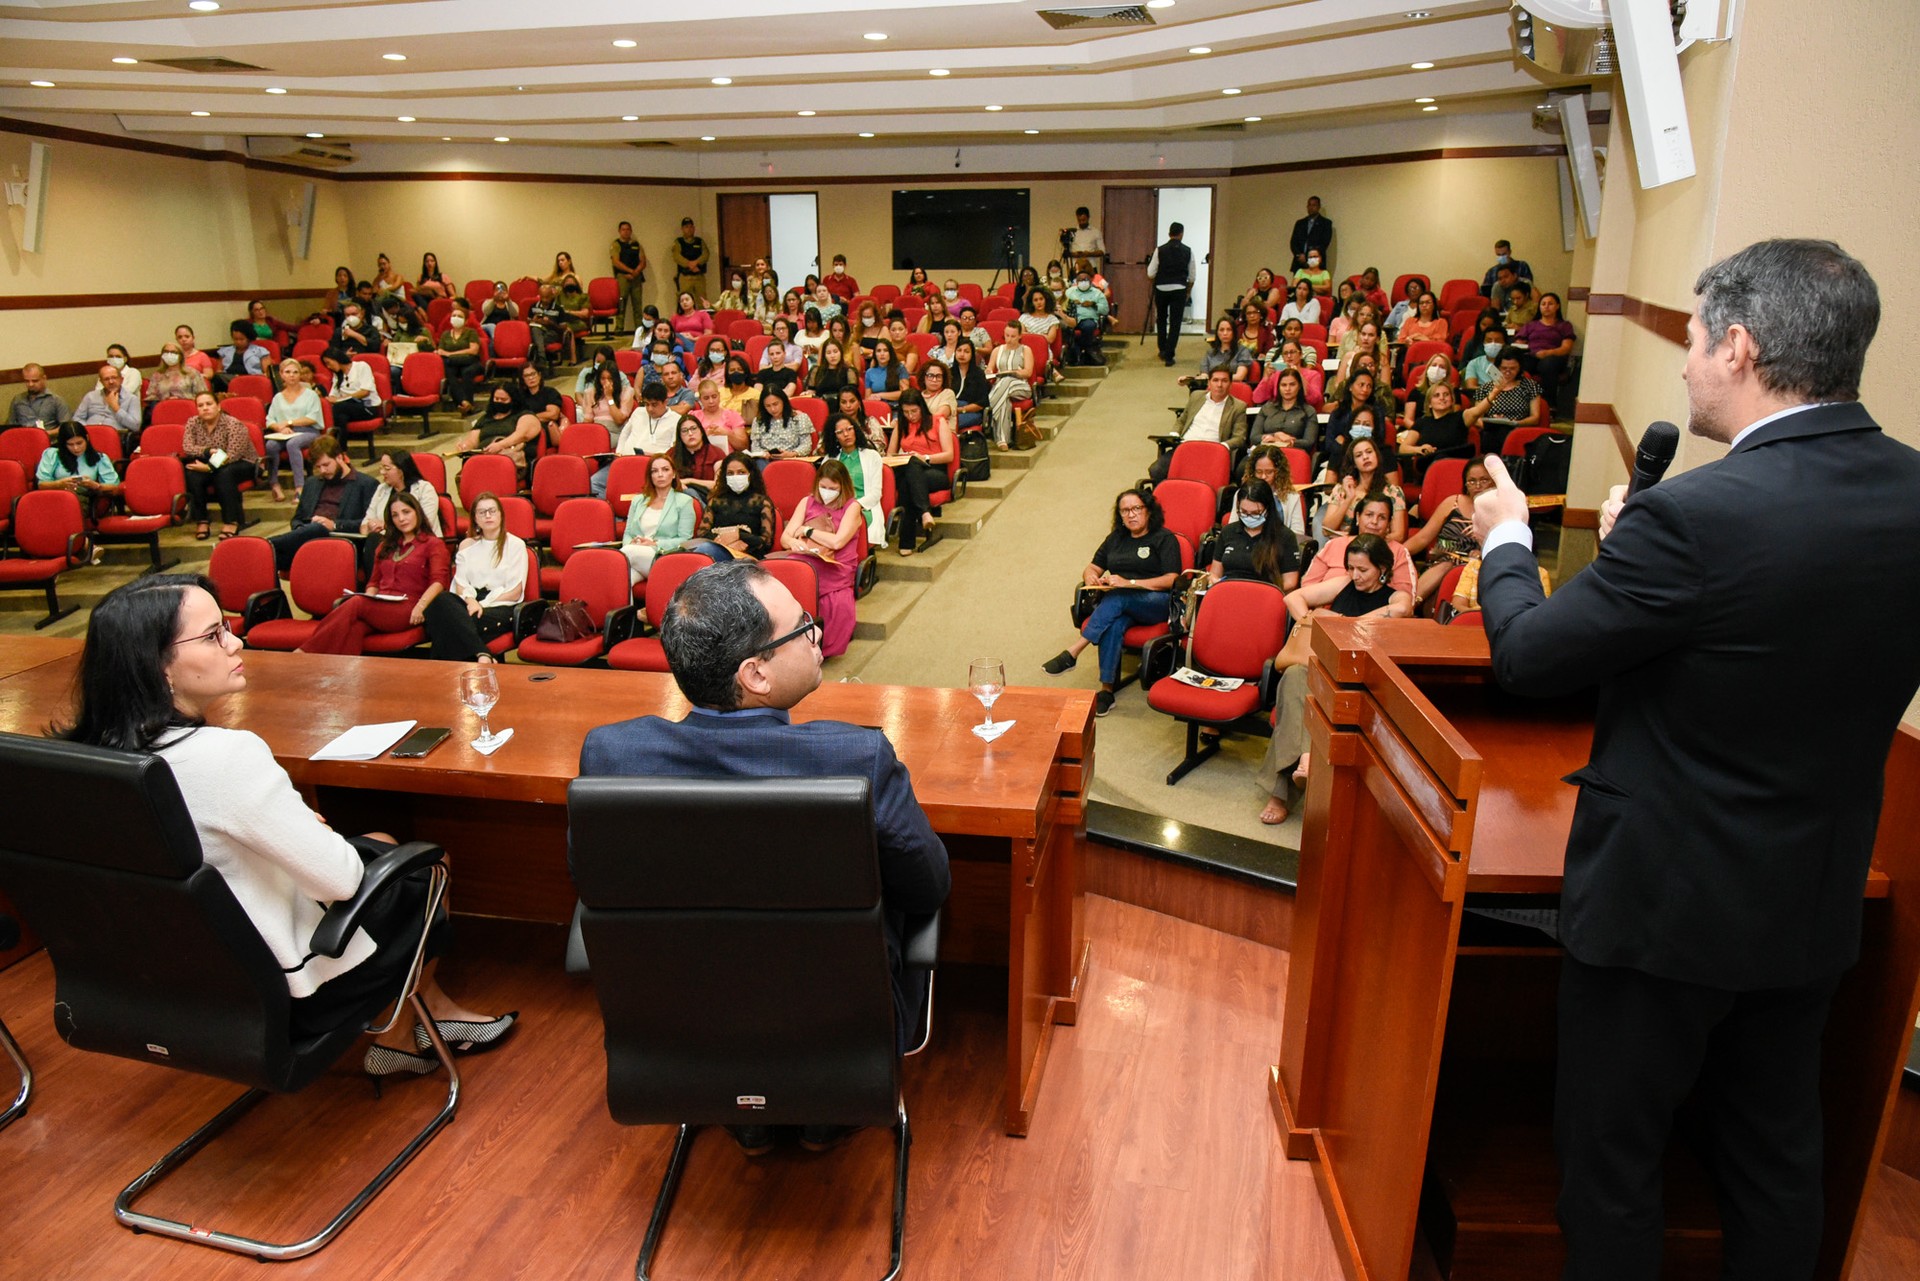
(1136, 566)
(1440, 432)
(1257, 544)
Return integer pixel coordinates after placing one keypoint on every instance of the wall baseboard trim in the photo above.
(1587, 411)
(1656, 319)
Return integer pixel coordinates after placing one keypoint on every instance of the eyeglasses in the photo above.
(1135, 510)
(220, 635)
(809, 627)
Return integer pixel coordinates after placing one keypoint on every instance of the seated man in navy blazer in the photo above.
(743, 652)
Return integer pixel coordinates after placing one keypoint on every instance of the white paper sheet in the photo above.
(364, 742)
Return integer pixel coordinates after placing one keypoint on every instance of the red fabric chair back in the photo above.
(477, 292)
(239, 568)
(556, 478)
(1238, 630)
(582, 520)
(970, 292)
(376, 361)
(884, 295)
(258, 386)
(152, 485)
(998, 317)
(725, 318)
(814, 408)
(24, 445)
(1418, 354)
(323, 571)
(586, 438)
(512, 340)
(755, 347)
(518, 515)
(741, 330)
(1445, 477)
(161, 438)
(1454, 293)
(600, 577)
(664, 580)
(626, 477)
(422, 374)
(1515, 445)
(13, 483)
(1241, 392)
(629, 361)
(437, 312)
(1448, 581)
(788, 482)
(315, 332)
(1188, 506)
(1042, 354)
(1299, 465)
(923, 343)
(797, 575)
(524, 291)
(484, 472)
(247, 409)
(311, 349)
(433, 468)
(603, 296)
(45, 523)
(1207, 461)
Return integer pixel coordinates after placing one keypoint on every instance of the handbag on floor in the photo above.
(976, 456)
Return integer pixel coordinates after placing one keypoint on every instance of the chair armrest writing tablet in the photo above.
(337, 926)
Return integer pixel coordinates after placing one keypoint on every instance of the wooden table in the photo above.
(1012, 812)
(1416, 1060)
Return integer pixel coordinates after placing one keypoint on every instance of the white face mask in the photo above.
(839, 270)
(1436, 374)
(949, 294)
(737, 482)
(118, 362)
(737, 285)
(169, 357)
(1313, 262)
(457, 323)
(829, 494)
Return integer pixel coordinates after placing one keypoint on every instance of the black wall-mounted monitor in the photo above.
(962, 228)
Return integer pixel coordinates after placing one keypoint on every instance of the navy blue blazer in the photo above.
(764, 742)
(1753, 626)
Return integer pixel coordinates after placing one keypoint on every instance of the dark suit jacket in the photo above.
(1754, 628)
(353, 504)
(1319, 237)
(764, 742)
(1233, 419)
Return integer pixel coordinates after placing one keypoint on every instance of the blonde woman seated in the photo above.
(826, 528)
(489, 583)
(1365, 590)
(659, 521)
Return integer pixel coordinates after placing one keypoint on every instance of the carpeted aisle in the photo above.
(1007, 598)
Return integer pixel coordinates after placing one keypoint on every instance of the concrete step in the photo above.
(924, 566)
(1088, 374)
(881, 611)
(859, 653)
(963, 519)
(999, 485)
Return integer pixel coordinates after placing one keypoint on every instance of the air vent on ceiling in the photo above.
(648, 143)
(203, 65)
(311, 153)
(1232, 126)
(1106, 15)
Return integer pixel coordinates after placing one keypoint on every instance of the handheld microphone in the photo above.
(1654, 456)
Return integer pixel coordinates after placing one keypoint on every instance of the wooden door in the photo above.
(1126, 221)
(746, 230)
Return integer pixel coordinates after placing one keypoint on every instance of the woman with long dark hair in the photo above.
(74, 464)
(410, 568)
(1135, 567)
(158, 662)
(931, 446)
(1257, 544)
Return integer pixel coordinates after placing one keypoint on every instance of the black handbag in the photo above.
(976, 456)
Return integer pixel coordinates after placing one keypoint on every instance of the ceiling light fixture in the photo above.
(1230, 92)
(203, 6)
(995, 107)
(1201, 48)
(276, 89)
(1159, 4)
(706, 137)
(503, 138)
(405, 120)
(127, 62)
(199, 113)
(316, 135)
(1252, 120)
(874, 35)
(808, 113)
(629, 119)
(1423, 99)
(41, 84)
(1029, 131)
(1422, 66)
(446, 140)
(1418, 14)
(723, 80)
(939, 71)
(866, 135)
(1429, 108)
(394, 57)
(626, 44)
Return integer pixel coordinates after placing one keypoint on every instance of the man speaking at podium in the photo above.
(1754, 629)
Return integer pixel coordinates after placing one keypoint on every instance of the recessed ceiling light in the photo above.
(446, 140)
(939, 71)
(1252, 120)
(874, 35)
(1423, 99)
(1029, 131)
(1230, 92)
(1545, 106)
(706, 137)
(866, 135)
(1159, 4)
(629, 119)
(394, 57)
(1201, 48)
(276, 90)
(41, 84)
(723, 80)
(199, 113)
(316, 135)
(203, 6)
(995, 107)
(405, 120)
(1418, 14)
(503, 138)
(127, 62)
(1429, 108)
(1422, 66)
(626, 44)
(808, 113)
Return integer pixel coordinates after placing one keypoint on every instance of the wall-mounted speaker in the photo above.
(300, 223)
(39, 173)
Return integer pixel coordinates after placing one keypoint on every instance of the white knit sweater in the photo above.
(281, 862)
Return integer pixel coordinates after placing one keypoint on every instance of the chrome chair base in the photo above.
(18, 1108)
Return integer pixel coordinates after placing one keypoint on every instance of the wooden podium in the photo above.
(1416, 1060)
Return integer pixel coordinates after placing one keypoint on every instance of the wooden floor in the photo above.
(1153, 1155)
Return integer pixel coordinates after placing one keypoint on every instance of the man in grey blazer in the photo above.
(1750, 625)
(1213, 414)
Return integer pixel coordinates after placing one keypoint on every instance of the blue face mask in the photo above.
(1505, 259)
(1253, 522)
(1363, 432)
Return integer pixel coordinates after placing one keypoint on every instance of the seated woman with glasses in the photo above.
(1135, 568)
(158, 663)
(739, 519)
(489, 584)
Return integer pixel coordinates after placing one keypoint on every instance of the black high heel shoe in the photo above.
(383, 1061)
(469, 1038)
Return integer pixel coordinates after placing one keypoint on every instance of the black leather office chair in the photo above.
(9, 936)
(739, 953)
(155, 960)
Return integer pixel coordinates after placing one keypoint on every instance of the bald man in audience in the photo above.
(108, 405)
(36, 406)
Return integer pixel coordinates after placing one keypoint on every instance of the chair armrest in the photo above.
(526, 618)
(178, 509)
(337, 926)
(264, 606)
(79, 548)
(920, 947)
(1269, 683)
(622, 624)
